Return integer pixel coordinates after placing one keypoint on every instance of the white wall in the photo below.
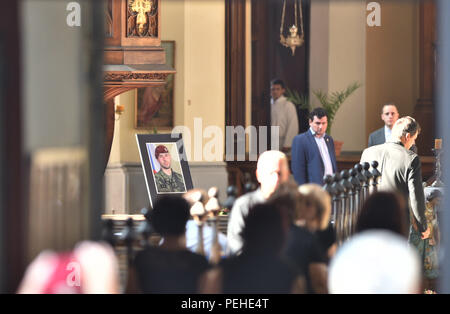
(383, 59)
(319, 46)
(393, 61)
(347, 64)
(337, 59)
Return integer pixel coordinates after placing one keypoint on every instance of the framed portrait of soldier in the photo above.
(166, 169)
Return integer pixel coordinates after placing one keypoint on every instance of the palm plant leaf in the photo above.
(332, 102)
(300, 100)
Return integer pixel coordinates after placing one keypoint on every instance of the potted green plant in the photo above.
(331, 102)
(299, 100)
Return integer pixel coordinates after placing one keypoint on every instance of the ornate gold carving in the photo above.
(142, 18)
(293, 40)
(141, 7)
(135, 76)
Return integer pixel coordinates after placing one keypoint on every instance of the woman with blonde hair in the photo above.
(310, 208)
(316, 210)
(318, 220)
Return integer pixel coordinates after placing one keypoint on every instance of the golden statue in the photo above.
(293, 40)
(141, 7)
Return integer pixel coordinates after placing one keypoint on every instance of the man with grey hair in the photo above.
(271, 170)
(401, 170)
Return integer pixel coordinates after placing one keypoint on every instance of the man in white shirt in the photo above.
(283, 114)
(389, 114)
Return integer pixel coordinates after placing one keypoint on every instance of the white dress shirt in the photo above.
(323, 149)
(387, 133)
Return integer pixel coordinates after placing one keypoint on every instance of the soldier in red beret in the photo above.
(166, 179)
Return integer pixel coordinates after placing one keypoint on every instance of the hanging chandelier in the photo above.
(293, 39)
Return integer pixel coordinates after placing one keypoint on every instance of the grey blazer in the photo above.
(377, 137)
(400, 171)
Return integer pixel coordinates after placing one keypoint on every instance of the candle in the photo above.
(120, 109)
(438, 143)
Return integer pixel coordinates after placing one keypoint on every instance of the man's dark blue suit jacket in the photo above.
(306, 163)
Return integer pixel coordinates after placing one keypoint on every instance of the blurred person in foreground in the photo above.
(91, 268)
(375, 262)
(272, 169)
(310, 208)
(260, 268)
(385, 211)
(213, 251)
(170, 267)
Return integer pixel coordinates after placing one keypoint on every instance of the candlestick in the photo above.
(120, 109)
(438, 171)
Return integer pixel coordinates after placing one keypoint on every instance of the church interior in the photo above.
(81, 81)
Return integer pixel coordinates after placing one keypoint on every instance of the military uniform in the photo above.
(165, 183)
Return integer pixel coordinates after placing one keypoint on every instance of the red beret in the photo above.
(160, 149)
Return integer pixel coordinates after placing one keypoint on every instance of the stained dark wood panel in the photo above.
(235, 62)
(13, 198)
(271, 60)
(425, 107)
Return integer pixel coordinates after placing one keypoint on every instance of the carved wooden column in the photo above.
(235, 76)
(271, 60)
(235, 62)
(425, 107)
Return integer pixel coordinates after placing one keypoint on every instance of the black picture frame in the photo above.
(147, 144)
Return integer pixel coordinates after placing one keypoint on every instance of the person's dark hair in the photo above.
(318, 112)
(170, 215)
(277, 81)
(388, 104)
(286, 197)
(265, 229)
(384, 210)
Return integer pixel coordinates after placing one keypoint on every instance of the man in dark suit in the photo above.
(401, 170)
(389, 114)
(313, 153)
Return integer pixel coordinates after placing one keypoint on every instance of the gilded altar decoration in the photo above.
(142, 18)
(437, 150)
(128, 76)
(293, 40)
